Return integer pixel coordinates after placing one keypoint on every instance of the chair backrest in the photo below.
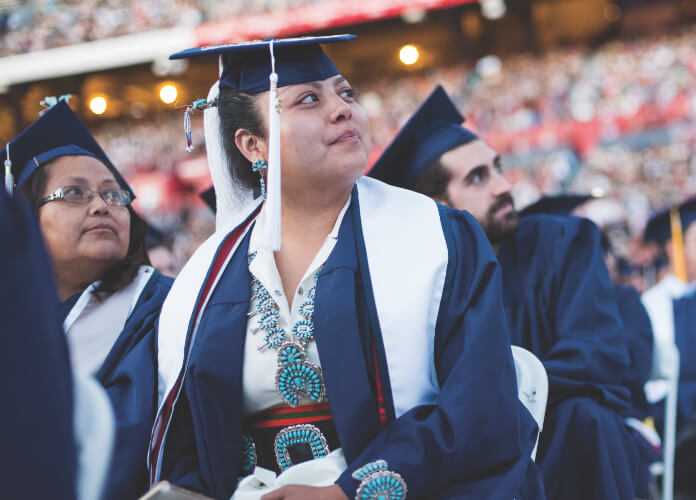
(532, 383)
(532, 386)
(94, 436)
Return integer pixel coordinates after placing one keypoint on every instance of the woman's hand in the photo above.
(306, 493)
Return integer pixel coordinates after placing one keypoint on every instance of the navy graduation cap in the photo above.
(246, 66)
(659, 227)
(435, 128)
(58, 132)
(561, 204)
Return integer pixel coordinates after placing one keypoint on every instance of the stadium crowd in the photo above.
(565, 121)
(44, 24)
(385, 304)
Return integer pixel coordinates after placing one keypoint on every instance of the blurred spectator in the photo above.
(617, 121)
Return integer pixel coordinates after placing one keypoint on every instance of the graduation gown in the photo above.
(561, 305)
(454, 427)
(685, 338)
(639, 339)
(38, 455)
(129, 376)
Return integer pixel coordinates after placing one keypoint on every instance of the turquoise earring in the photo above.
(258, 166)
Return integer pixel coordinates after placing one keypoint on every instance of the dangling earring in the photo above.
(258, 166)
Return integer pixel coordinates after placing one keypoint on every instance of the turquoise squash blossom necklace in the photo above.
(295, 377)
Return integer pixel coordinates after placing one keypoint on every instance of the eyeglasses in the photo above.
(77, 195)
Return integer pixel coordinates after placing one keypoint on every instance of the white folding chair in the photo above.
(669, 434)
(532, 386)
(94, 436)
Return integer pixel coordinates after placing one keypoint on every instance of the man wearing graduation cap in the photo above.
(559, 299)
(109, 295)
(670, 304)
(38, 457)
(361, 377)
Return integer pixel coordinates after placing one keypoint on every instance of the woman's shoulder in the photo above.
(152, 284)
(160, 280)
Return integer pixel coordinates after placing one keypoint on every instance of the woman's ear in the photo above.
(251, 146)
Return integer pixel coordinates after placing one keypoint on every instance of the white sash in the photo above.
(407, 256)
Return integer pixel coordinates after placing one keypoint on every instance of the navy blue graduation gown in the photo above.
(38, 456)
(474, 443)
(685, 338)
(685, 460)
(561, 305)
(639, 340)
(129, 376)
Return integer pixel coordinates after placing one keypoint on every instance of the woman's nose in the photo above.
(341, 111)
(98, 206)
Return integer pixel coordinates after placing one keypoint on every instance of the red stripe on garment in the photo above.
(289, 410)
(284, 422)
(381, 406)
(166, 413)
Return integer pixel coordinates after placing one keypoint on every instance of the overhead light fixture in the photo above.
(493, 9)
(98, 104)
(409, 55)
(413, 16)
(168, 93)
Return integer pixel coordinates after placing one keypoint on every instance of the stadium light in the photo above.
(409, 55)
(168, 93)
(98, 104)
(598, 192)
(493, 9)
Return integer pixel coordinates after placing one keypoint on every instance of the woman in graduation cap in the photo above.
(366, 356)
(110, 296)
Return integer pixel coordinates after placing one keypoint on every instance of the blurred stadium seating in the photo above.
(608, 111)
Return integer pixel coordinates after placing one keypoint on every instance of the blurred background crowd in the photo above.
(606, 106)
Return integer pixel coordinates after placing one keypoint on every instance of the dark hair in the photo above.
(434, 181)
(238, 111)
(123, 272)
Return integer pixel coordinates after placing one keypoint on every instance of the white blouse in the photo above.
(92, 327)
(259, 390)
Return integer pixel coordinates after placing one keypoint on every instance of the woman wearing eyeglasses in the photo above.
(110, 296)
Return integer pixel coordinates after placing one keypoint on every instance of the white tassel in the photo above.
(9, 178)
(273, 228)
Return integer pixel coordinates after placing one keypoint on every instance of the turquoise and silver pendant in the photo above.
(304, 434)
(297, 377)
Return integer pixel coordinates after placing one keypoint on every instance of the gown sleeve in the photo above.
(639, 338)
(475, 440)
(589, 356)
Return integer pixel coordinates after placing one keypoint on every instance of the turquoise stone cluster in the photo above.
(249, 457)
(379, 483)
(296, 377)
(304, 434)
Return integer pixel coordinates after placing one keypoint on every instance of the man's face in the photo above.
(478, 186)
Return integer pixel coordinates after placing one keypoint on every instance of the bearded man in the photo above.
(559, 300)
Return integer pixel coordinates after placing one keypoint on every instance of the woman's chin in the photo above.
(103, 252)
(353, 165)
